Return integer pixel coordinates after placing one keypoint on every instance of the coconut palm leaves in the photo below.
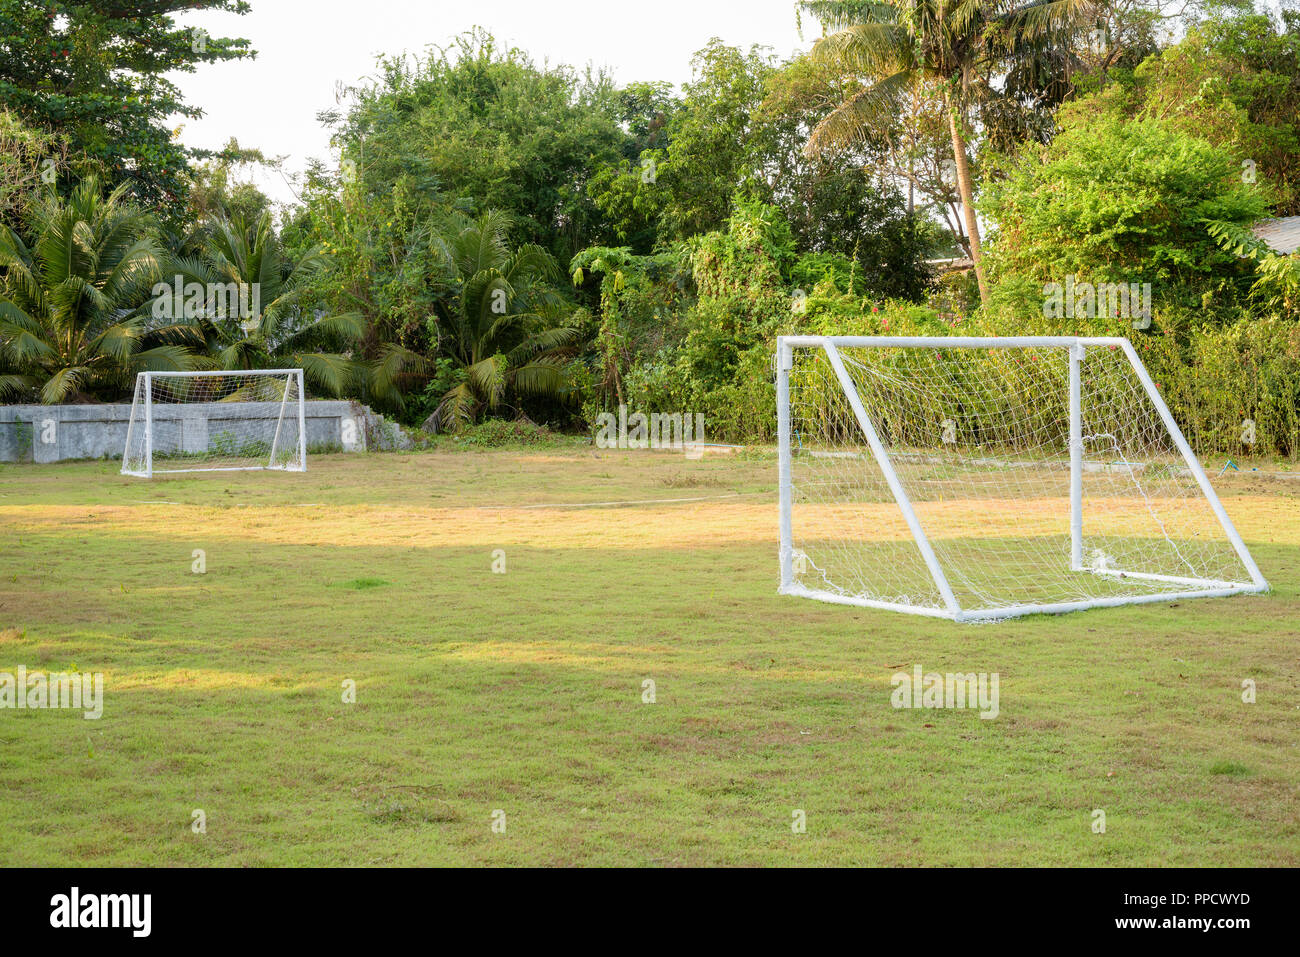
(72, 326)
(244, 302)
(503, 329)
(958, 46)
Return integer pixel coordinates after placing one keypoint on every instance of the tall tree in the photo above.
(710, 149)
(95, 73)
(836, 201)
(962, 46)
(481, 122)
(622, 190)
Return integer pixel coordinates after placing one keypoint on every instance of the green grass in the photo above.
(522, 692)
(1230, 768)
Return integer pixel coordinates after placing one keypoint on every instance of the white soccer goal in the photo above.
(984, 478)
(216, 422)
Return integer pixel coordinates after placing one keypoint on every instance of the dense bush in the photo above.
(1118, 200)
(502, 433)
(1234, 388)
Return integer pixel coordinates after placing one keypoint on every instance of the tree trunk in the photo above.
(967, 198)
(911, 181)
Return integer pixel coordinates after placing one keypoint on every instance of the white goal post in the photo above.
(216, 422)
(985, 478)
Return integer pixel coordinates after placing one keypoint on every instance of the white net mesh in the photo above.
(979, 439)
(215, 422)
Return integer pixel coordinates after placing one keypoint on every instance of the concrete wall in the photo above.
(54, 433)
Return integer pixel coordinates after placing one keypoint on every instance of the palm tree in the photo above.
(256, 318)
(503, 329)
(955, 45)
(72, 320)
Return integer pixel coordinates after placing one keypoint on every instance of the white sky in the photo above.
(305, 46)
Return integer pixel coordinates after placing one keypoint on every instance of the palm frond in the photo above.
(488, 378)
(329, 373)
(531, 262)
(394, 368)
(62, 384)
(1237, 240)
(866, 49)
(138, 267)
(14, 386)
(835, 15)
(117, 341)
(482, 245)
(19, 276)
(546, 376)
(1046, 16)
(164, 358)
(344, 328)
(237, 355)
(857, 117)
(458, 407)
(21, 337)
(548, 340)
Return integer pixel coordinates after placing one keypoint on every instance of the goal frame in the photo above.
(146, 379)
(1076, 346)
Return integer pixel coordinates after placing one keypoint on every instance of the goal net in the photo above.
(987, 478)
(216, 422)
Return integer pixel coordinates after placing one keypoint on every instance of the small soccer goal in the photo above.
(216, 422)
(985, 478)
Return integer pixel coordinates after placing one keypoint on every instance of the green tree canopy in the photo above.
(484, 123)
(962, 47)
(95, 73)
(737, 135)
(1233, 80)
(501, 336)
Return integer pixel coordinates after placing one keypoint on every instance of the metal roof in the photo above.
(1282, 235)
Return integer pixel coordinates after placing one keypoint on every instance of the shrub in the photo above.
(1234, 389)
(499, 433)
(1121, 200)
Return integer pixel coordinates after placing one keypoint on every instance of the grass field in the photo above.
(522, 692)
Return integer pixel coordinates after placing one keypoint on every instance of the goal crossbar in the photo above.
(208, 373)
(845, 499)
